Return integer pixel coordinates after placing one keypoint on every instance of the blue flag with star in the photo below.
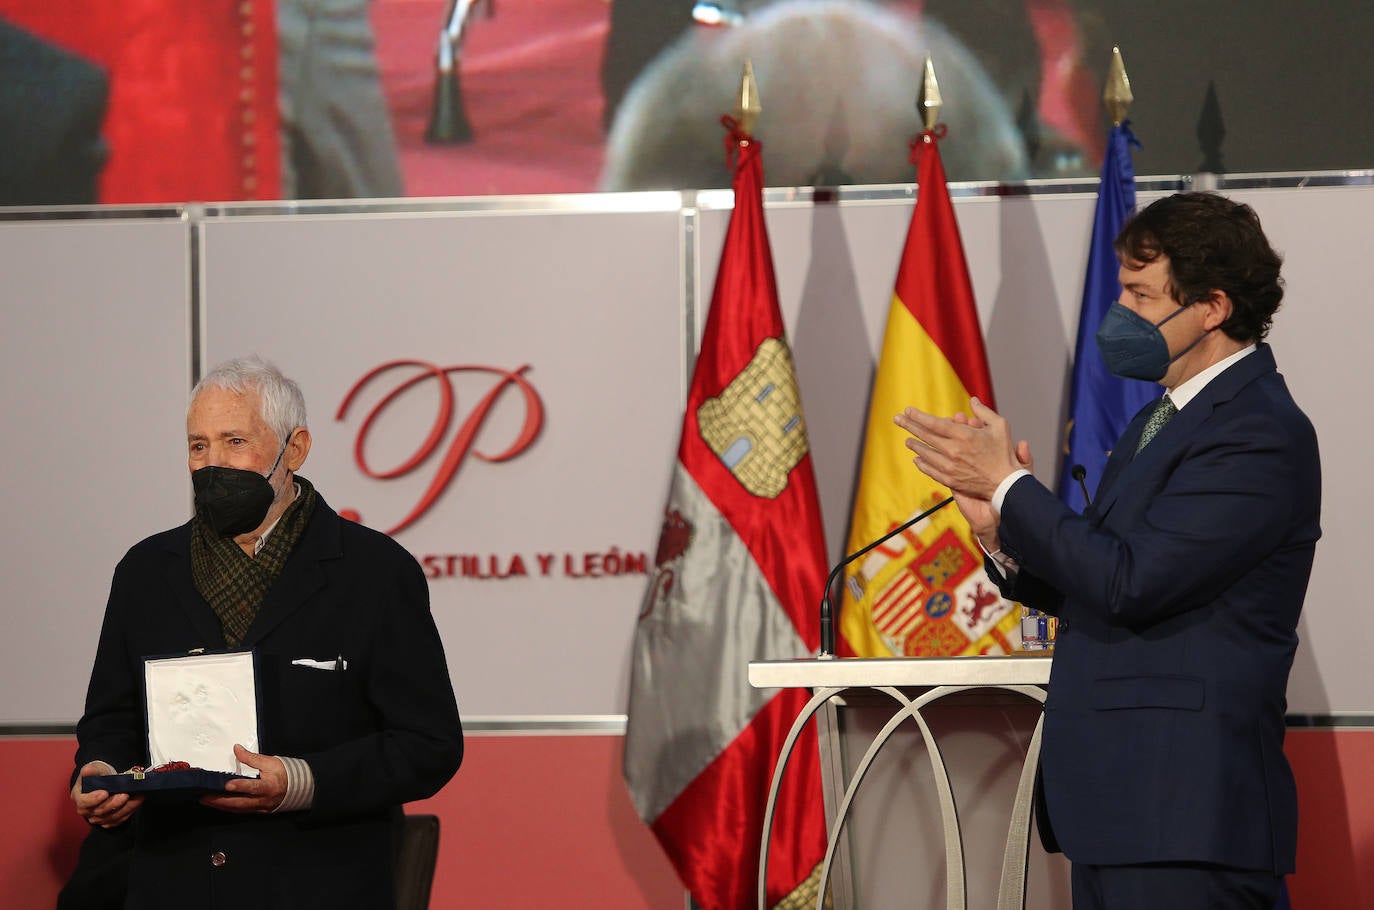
(1100, 404)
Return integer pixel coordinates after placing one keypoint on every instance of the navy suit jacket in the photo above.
(1180, 589)
(383, 732)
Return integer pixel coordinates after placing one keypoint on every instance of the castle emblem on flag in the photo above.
(755, 424)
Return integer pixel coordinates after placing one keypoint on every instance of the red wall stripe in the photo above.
(533, 820)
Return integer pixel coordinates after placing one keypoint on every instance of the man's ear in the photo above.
(1218, 307)
(297, 447)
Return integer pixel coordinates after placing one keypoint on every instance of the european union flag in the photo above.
(1100, 404)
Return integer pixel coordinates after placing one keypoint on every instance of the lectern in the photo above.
(912, 686)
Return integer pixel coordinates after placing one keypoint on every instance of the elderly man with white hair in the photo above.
(356, 713)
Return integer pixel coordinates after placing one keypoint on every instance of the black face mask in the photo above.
(233, 501)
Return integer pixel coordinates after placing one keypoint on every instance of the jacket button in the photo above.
(218, 858)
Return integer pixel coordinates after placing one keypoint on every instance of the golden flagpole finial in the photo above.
(747, 113)
(1117, 95)
(928, 101)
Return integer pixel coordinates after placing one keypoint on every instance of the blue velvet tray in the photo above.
(184, 784)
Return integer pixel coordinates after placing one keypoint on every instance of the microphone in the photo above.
(1079, 472)
(827, 608)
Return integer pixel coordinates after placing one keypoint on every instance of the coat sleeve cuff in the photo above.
(999, 495)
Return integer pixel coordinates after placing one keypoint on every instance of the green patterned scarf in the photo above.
(234, 583)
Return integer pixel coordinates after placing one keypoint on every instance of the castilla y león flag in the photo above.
(924, 593)
(738, 575)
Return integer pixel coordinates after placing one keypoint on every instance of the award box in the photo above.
(197, 707)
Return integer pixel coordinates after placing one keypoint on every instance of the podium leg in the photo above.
(833, 782)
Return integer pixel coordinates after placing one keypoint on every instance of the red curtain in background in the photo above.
(193, 92)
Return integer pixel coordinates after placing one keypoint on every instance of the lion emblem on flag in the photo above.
(932, 597)
(673, 541)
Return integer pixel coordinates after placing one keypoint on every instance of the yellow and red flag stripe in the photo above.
(923, 593)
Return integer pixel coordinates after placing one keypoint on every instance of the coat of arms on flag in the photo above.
(755, 425)
(928, 593)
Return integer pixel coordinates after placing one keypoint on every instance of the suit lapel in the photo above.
(1116, 462)
(1124, 468)
(302, 576)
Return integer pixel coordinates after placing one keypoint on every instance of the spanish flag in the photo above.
(923, 593)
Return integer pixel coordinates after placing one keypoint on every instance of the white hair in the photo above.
(280, 402)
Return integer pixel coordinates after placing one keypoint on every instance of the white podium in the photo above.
(911, 688)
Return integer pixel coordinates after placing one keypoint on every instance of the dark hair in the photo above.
(1212, 243)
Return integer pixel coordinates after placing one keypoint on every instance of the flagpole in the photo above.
(1116, 95)
(928, 99)
(748, 110)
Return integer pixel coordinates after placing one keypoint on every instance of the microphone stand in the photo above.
(827, 608)
(1079, 472)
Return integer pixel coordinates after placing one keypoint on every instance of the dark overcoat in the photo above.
(378, 734)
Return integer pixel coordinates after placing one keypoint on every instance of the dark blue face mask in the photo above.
(1133, 347)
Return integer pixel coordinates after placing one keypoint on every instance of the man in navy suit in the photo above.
(1163, 777)
(356, 714)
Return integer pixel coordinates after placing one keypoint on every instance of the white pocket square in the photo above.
(336, 664)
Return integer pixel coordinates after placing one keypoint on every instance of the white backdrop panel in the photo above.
(97, 350)
(94, 360)
(593, 304)
(1321, 339)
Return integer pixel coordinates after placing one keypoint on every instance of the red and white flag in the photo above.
(738, 577)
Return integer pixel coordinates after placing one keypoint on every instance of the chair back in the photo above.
(415, 861)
